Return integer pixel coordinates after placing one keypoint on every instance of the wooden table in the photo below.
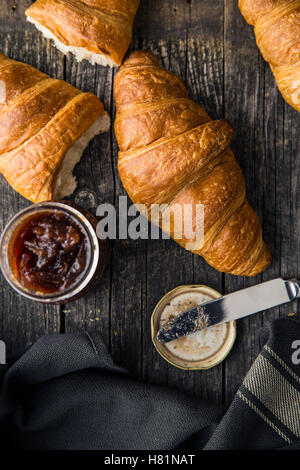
(208, 44)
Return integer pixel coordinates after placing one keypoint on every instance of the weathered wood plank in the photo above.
(157, 20)
(22, 321)
(283, 144)
(95, 185)
(114, 306)
(12, 16)
(204, 77)
(244, 108)
(168, 265)
(264, 139)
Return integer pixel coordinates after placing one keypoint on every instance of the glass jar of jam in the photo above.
(50, 252)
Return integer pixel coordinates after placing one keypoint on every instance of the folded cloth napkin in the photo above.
(65, 392)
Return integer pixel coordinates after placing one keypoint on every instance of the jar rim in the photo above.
(199, 364)
(70, 210)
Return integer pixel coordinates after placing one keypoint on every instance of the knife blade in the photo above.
(230, 307)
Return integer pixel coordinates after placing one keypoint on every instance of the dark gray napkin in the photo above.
(65, 392)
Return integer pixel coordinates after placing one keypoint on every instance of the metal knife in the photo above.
(230, 307)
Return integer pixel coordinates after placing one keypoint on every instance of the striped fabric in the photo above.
(272, 390)
(82, 400)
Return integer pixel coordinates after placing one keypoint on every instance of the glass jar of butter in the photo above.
(201, 350)
(50, 252)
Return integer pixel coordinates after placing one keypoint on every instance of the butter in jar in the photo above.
(202, 349)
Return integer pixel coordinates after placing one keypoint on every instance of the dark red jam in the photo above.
(49, 252)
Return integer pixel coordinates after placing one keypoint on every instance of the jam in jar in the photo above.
(50, 252)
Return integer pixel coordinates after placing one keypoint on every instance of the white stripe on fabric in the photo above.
(270, 423)
(275, 392)
(282, 363)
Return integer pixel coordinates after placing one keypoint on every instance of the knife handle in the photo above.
(293, 288)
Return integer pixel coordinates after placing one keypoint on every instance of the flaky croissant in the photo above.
(45, 125)
(172, 153)
(277, 30)
(97, 30)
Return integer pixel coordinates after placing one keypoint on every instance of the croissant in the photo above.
(277, 30)
(171, 153)
(45, 124)
(97, 30)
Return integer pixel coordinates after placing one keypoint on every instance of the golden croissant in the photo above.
(277, 30)
(97, 30)
(45, 124)
(171, 153)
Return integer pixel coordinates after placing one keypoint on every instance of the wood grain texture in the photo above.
(21, 321)
(209, 45)
(243, 106)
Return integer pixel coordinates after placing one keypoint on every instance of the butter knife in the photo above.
(230, 307)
